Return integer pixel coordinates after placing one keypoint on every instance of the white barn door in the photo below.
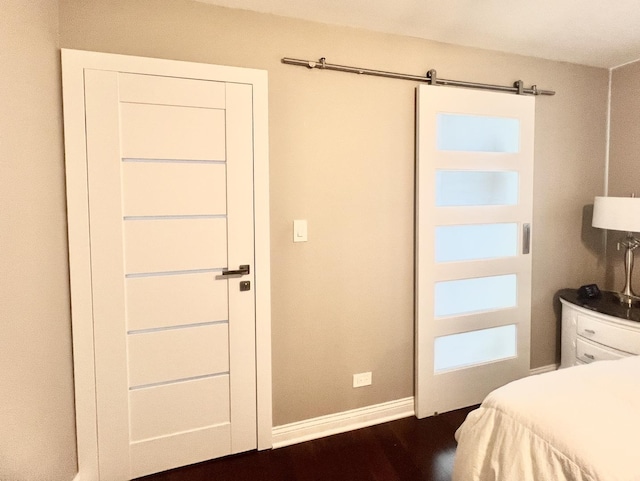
(170, 184)
(473, 260)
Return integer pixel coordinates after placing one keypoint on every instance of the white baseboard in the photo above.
(543, 369)
(319, 427)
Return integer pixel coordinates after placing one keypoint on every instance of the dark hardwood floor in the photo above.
(406, 449)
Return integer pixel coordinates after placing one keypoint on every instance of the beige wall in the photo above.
(624, 160)
(37, 430)
(342, 156)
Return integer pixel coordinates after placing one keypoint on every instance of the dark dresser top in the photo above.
(607, 304)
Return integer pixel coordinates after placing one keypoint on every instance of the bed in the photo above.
(575, 424)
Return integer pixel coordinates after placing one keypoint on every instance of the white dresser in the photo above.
(597, 329)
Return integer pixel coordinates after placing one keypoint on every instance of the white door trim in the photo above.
(74, 64)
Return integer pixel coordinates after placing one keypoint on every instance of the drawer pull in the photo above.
(589, 356)
(589, 331)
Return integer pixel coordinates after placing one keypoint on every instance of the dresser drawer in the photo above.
(620, 338)
(590, 352)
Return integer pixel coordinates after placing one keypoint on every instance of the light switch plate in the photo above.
(299, 231)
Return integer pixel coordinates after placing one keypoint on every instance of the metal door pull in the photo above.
(242, 271)
(526, 238)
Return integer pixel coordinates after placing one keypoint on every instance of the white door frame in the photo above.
(74, 64)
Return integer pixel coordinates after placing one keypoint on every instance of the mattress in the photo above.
(575, 424)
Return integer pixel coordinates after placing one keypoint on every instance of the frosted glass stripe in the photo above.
(174, 161)
(475, 347)
(463, 296)
(476, 133)
(471, 187)
(477, 241)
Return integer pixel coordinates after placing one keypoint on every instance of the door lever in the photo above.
(243, 270)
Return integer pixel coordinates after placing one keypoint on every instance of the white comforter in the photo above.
(576, 424)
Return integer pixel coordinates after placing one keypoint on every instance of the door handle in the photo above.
(243, 270)
(526, 238)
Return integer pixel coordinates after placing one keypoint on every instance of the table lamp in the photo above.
(622, 214)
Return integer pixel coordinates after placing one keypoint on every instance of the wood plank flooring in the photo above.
(406, 449)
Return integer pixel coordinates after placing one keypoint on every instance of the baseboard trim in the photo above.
(319, 427)
(543, 369)
(77, 478)
(322, 426)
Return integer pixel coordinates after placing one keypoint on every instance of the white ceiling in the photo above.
(600, 33)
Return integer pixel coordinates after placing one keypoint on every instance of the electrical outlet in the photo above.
(362, 379)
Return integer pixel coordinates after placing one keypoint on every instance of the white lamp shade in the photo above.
(617, 213)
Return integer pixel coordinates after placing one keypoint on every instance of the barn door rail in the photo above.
(430, 78)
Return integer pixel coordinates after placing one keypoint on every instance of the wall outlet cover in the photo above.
(362, 379)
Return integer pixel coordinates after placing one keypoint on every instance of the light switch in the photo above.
(299, 231)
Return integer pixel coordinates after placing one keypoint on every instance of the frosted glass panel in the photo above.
(478, 241)
(464, 296)
(471, 187)
(475, 347)
(476, 133)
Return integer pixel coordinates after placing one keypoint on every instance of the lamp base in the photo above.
(627, 296)
(628, 300)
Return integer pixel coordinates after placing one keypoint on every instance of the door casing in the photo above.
(74, 63)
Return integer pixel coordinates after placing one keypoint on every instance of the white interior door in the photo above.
(170, 186)
(473, 261)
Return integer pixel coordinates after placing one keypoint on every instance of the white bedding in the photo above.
(575, 424)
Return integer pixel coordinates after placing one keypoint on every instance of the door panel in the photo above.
(169, 301)
(490, 241)
(206, 443)
(474, 295)
(473, 280)
(477, 133)
(153, 188)
(172, 132)
(171, 191)
(151, 89)
(167, 355)
(164, 245)
(177, 407)
(474, 347)
(467, 187)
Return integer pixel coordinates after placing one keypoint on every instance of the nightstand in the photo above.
(597, 329)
